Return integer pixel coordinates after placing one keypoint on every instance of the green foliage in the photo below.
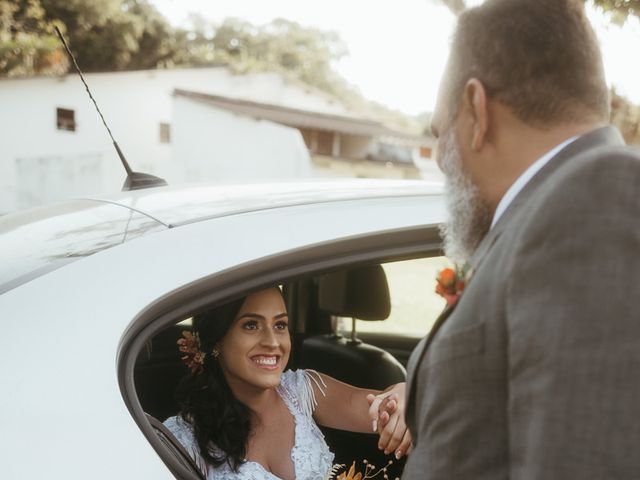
(456, 6)
(103, 34)
(620, 10)
(626, 116)
(280, 46)
(132, 34)
(114, 34)
(28, 42)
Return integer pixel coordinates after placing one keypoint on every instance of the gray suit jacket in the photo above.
(536, 372)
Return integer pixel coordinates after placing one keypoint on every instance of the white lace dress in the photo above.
(312, 459)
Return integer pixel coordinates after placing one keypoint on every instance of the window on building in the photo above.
(165, 133)
(66, 119)
(325, 143)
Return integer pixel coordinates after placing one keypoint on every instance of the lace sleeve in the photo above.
(183, 432)
(306, 381)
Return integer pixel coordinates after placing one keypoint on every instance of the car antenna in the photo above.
(134, 180)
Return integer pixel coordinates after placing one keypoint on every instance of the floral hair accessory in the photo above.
(193, 356)
(451, 282)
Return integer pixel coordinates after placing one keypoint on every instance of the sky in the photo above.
(398, 48)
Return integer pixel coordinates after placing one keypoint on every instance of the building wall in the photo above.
(273, 88)
(39, 163)
(213, 144)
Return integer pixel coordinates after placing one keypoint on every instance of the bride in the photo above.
(244, 417)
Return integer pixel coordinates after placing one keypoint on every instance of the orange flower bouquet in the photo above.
(351, 474)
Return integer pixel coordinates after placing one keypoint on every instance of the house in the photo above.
(340, 145)
(184, 125)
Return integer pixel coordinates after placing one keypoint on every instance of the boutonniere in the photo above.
(451, 282)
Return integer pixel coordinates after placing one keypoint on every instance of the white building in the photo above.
(55, 146)
(340, 145)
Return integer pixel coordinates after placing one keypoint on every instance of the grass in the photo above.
(414, 303)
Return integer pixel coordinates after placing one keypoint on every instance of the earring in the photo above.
(215, 353)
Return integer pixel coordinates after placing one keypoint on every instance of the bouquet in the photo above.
(351, 474)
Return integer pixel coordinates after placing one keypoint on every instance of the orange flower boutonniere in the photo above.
(451, 282)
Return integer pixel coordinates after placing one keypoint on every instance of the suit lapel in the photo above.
(411, 380)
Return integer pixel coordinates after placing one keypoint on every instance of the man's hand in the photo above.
(386, 411)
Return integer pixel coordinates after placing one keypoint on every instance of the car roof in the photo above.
(174, 206)
(36, 241)
(43, 239)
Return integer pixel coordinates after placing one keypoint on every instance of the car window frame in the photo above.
(224, 286)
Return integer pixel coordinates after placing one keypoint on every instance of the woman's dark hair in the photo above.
(206, 401)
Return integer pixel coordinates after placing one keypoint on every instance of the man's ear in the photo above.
(475, 102)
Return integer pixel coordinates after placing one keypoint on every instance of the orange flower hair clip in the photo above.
(451, 282)
(193, 356)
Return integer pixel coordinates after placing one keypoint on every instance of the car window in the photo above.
(414, 303)
(187, 322)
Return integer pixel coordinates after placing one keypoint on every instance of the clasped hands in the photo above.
(386, 411)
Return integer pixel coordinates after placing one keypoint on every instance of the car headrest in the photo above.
(361, 293)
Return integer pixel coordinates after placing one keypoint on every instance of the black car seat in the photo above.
(361, 293)
(159, 371)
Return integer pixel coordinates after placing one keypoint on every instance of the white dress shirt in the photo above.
(517, 186)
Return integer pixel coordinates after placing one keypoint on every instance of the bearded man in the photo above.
(534, 373)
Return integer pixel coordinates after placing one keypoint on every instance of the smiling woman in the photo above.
(242, 415)
(237, 344)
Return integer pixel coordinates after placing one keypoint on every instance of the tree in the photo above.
(456, 6)
(626, 116)
(282, 46)
(114, 34)
(28, 43)
(103, 34)
(620, 9)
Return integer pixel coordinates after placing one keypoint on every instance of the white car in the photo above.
(92, 290)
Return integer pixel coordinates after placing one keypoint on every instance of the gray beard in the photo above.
(469, 217)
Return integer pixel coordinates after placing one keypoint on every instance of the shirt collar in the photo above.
(525, 177)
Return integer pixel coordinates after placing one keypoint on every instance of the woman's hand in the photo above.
(386, 411)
